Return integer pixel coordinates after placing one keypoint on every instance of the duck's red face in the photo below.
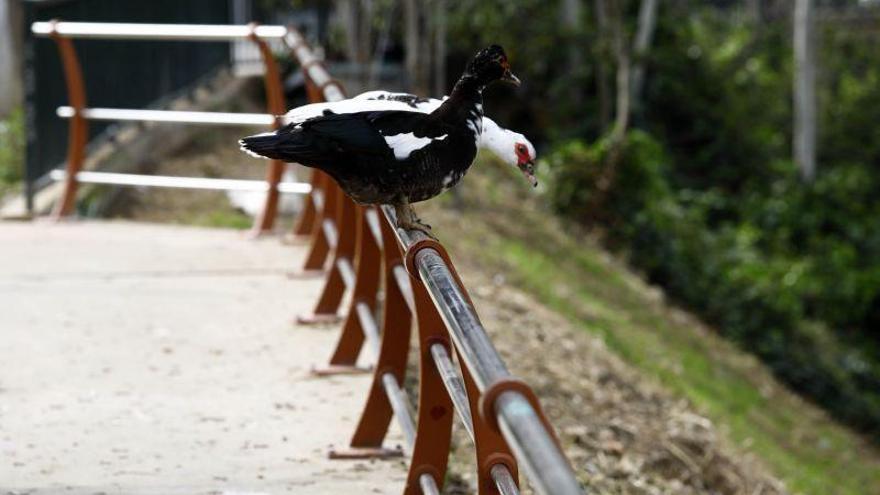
(526, 163)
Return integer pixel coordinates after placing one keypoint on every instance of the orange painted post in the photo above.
(363, 300)
(311, 220)
(277, 107)
(308, 219)
(78, 129)
(435, 415)
(335, 285)
(320, 246)
(393, 355)
(491, 447)
(306, 223)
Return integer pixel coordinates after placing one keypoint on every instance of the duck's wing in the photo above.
(394, 132)
(357, 104)
(414, 102)
(341, 140)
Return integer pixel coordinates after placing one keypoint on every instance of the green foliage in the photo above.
(567, 271)
(531, 33)
(576, 169)
(714, 212)
(719, 99)
(705, 199)
(760, 280)
(12, 145)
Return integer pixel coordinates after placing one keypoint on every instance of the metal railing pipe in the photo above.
(457, 392)
(330, 233)
(460, 318)
(180, 32)
(401, 410)
(546, 465)
(207, 183)
(521, 424)
(174, 116)
(346, 270)
(454, 386)
(369, 327)
(403, 283)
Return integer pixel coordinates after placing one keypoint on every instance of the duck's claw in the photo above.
(416, 224)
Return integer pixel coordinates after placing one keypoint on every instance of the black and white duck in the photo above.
(395, 156)
(510, 146)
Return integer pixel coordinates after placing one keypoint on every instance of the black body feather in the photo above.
(356, 148)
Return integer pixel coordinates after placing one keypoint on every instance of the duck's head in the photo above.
(489, 65)
(511, 147)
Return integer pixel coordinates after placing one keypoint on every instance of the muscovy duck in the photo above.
(396, 157)
(512, 147)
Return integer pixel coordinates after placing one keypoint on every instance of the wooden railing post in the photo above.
(78, 129)
(276, 106)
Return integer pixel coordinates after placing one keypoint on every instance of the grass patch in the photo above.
(506, 229)
(12, 146)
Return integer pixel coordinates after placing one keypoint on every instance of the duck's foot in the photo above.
(407, 220)
(417, 225)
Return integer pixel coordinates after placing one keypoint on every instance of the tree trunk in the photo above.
(349, 15)
(602, 87)
(570, 17)
(382, 43)
(804, 141)
(608, 174)
(621, 53)
(365, 35)
(440, 48)
(644, 36)
(417, 55)
(11, 47)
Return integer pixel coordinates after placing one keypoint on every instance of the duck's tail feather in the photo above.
(284, 144)
(266, 145)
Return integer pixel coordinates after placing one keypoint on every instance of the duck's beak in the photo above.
(508, 77)
(528, 170)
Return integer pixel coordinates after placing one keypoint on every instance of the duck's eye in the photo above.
(520, 148)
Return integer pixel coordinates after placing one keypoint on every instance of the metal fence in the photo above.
(150, 70)
(500, 412)
(79, 115)
(362, 252)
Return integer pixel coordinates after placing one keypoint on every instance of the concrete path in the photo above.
(147, 359)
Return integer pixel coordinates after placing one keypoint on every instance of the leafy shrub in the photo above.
(775, 281)
(12, 144)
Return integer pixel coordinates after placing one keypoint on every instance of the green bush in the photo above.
(637, 181)
(12, 145)
(777, 281)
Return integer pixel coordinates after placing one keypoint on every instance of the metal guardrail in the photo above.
(501, 413)
(369, 253)
(79, 114)
(137, 31)
(174, 116)
(208, 183)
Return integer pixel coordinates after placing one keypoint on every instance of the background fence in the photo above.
(139, 74)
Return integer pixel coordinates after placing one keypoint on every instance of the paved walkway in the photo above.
(146, 359)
